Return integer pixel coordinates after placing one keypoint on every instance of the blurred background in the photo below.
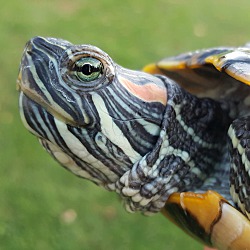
(42, 206)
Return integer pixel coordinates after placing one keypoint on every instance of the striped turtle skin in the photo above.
(155, 138)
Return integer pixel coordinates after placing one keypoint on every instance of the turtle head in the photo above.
(95, 117)
(138, 134)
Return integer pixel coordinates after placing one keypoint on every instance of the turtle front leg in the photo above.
(239, 133)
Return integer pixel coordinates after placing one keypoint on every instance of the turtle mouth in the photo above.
(36, 98)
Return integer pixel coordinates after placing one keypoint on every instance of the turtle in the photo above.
(173, 137)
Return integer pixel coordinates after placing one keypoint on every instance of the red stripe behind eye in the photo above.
(149, 92)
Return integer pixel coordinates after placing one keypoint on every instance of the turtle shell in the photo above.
(206, 72)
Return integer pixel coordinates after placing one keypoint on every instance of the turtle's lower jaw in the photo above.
(32, 100)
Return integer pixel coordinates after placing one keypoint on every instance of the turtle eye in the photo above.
(88, 69)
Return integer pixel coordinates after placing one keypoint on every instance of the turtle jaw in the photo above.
(34, 97)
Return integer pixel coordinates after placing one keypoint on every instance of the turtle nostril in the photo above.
(29, 51)
(28, 48)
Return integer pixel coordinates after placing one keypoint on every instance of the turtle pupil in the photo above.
(88, 69)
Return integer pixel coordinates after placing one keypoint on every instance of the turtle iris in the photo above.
(88, 69)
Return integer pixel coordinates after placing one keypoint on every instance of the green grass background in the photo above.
(36, 195)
